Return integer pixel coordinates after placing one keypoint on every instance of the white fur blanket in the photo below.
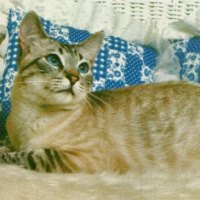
(21, 184)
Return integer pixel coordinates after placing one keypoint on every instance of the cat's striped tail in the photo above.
(47, 160)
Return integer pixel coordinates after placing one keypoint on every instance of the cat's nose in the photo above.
(73, 78)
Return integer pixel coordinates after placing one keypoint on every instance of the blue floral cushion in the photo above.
(118, 63)
(188, 53)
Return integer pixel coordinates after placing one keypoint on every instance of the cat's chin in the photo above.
(67, 99)
(64, 102)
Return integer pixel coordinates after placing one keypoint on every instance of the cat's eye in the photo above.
(54, 60)
(83, 68)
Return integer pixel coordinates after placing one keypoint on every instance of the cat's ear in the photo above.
(90, 47)
(30, 29)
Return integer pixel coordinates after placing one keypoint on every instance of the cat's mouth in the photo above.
(70, 90)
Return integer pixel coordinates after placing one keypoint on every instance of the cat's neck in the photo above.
(25, 114)
(30, 109)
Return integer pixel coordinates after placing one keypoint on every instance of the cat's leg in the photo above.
(6, 146)
(4, 149)
(45, 160)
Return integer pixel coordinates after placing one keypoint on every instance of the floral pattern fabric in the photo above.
(188, 54)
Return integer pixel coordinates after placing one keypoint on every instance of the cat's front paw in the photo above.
(5, 149)
(5, 145)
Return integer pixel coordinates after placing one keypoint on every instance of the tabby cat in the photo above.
(57, 125)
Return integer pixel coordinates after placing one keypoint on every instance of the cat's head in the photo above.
(52, 73)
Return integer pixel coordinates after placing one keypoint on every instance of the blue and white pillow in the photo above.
(118, 63)
(188, 53)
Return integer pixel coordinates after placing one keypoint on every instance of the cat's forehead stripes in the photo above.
(51, 45)
(69, 56)
(70, 49)
(60, 50)
(80, 56)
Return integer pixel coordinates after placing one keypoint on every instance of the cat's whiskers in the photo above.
(89, 104)
(91, 101)
(98, 98)
(22, 76)
(22, 82)
(106, 93)
(88, 99)
(80, 90)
